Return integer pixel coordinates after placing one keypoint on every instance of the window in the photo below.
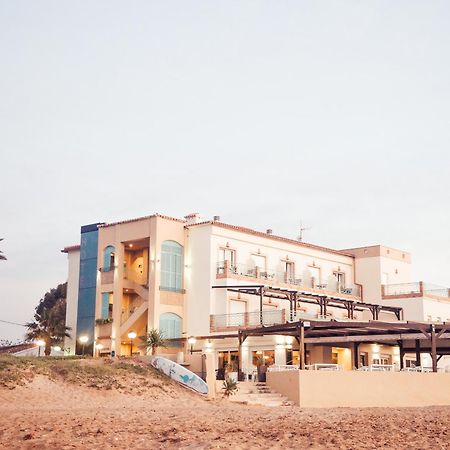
(170, 327)
(340, 280)
(259, 261)
(315, 276)
(107, 305)
(363, 358)
(225, 254)
(171, 266)
(289, 268)
(108, 258)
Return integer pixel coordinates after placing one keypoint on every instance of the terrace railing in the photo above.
(228, 269)
(221, 322)
(416, 289)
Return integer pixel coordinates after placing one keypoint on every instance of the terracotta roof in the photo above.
(270, 236)
(141, 218)
(70, 248)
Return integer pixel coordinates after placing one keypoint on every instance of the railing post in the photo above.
(433, 348)
(257, 272)
(383, 291)
(286, 277)
(301, 332)
(421, 287)
(226, 267)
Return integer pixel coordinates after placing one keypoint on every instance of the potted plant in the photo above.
(229, 387)
(152, 341)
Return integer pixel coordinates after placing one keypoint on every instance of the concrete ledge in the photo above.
(322, 389)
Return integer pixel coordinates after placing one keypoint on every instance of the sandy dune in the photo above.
(47, 414)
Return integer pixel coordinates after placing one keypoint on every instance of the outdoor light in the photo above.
(131, 335)
(289, 346)
(40, 343)
(98, 347)
(57, 348)
(192, 341)
(83, 340)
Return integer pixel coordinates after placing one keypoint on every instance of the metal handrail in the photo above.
(271, 274)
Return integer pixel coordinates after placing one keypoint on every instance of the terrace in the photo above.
(295, 297)
(286, 279)
(413, 290)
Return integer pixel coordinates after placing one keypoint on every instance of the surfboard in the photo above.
(179, 374)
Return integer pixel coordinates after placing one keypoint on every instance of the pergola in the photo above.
(409, 336)
(295, 297)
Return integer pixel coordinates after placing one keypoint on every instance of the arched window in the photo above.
(171, 266)
(170, 325)
(108, 258)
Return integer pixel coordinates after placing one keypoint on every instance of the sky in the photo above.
(267, 113)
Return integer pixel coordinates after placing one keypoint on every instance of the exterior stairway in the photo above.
(259, 394)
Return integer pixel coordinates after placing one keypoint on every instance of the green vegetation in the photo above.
(50, 319)
(152, 340)
(229, 387)
(99, 374)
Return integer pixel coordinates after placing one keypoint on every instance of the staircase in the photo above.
(135, 316)
(259, 394)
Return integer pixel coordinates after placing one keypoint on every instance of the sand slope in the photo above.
(55, 414)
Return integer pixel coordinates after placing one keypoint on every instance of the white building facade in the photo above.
(189, 277)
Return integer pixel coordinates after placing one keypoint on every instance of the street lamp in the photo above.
(132, 335)
(83, 340)
(99, 348)
(40, 344)
(192, 341)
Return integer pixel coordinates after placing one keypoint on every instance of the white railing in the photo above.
(248, 319)
(415, 288)
(323, 366)
(281, 368)
(378, 368)
(263, 273)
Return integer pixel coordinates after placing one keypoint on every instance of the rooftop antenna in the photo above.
(302, 229)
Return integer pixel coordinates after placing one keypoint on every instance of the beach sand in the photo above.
(47, 414)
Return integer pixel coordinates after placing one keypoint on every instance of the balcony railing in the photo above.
(221, 322)
(416, 289)
(225, 269)
(104, 330)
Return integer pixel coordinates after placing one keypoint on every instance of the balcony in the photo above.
(107, 277)
(229, 322)
(104, 329)
(286, 279)
(416, 289)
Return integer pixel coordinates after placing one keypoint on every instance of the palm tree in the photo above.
(2, 257)
(152, 340)
(50, 319)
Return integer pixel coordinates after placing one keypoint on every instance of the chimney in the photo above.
(192, 218)
(269, 231)
(216, 218)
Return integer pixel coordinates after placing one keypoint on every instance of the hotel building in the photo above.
(207, 279)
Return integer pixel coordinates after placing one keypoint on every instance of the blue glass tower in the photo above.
(87, 286)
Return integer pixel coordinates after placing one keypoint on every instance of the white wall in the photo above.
(369, 272)
(199, 279)
(72, 299)
(204, 242)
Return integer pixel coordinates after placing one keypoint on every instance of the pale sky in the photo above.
(262, 112)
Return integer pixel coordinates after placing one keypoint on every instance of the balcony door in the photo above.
(226, 254)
